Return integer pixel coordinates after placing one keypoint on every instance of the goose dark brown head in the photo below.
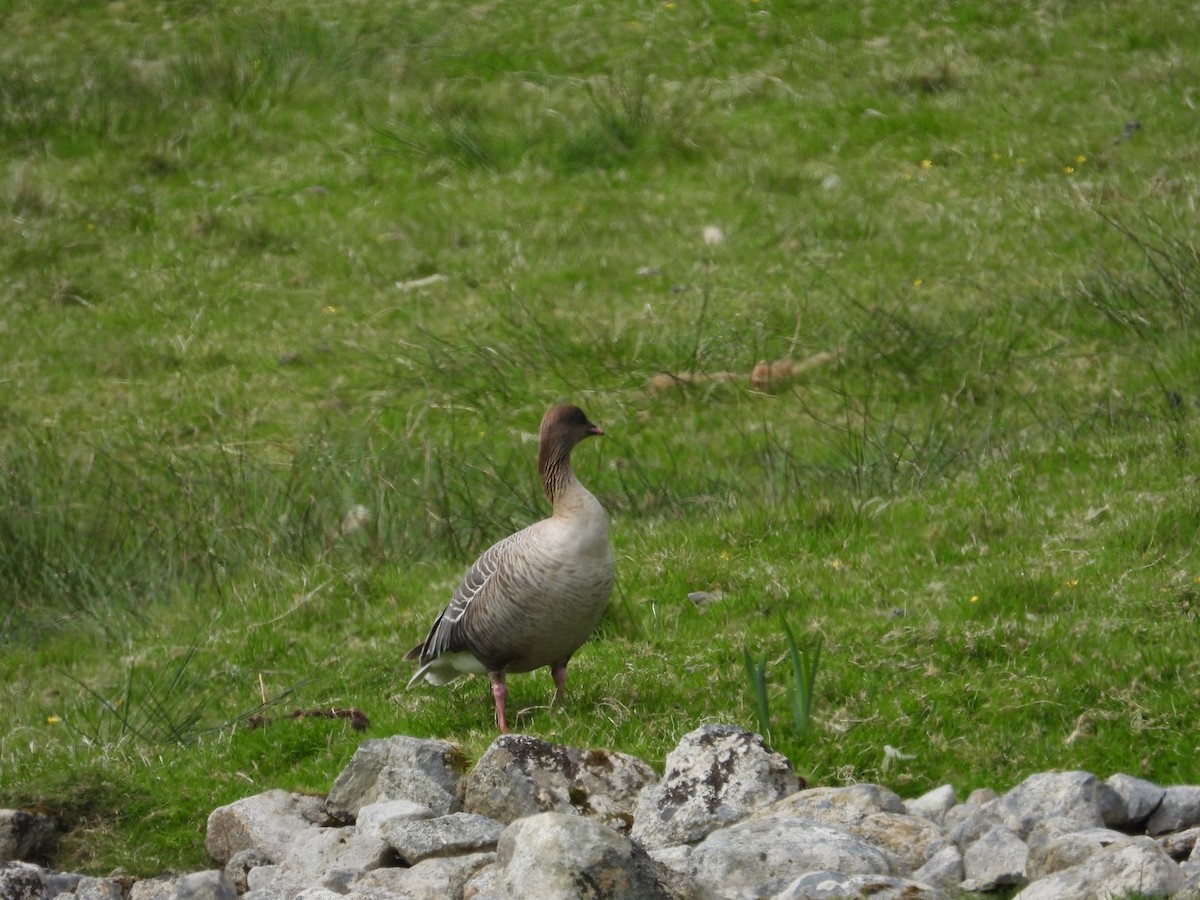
(562, 428)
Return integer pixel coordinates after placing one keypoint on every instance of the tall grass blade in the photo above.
(804, 678)
(756, 673)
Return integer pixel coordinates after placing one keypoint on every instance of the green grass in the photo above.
(984, 502)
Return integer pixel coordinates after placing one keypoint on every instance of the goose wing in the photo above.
(447, 634)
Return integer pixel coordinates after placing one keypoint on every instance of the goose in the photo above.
(532, 599)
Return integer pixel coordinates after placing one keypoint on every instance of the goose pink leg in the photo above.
(559, 674)
(499, 694)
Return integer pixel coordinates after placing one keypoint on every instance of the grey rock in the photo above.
(521, 776)
(717, 775)
(1191, 880)
(676, 857)
(430, 879)
(26, 881)
(837, 805)
(1138, 800)
(237, 870)
(269, 821)
(26, 835)
(911, 840)
(933, 805)
(837, 886)
(1180, 809)
(726, 821)
(1079, 798)
(762, 856)
(21, 881)
(995, 860)
(869, 812)
(1181, 846)
(399, 768)
(1135, 864)
(482, 884)
(942, 870)
(956, 815)
(980, 796)
(377, 819)
(457, 833)
(324, 857)
(1075, 800)
(267, 881)
(1058, 852)
(564, 857)
(210, 885)
(99, 889)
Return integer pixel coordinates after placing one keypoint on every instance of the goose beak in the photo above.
(596, 431)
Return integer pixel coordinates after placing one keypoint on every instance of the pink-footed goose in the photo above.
(532, 599)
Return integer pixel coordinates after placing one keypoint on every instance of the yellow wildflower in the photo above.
(927, 164)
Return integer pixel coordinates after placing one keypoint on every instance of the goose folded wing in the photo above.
(446, 634)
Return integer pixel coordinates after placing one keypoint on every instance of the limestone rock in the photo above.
(1079, 798)
(997, 859)
(1138, 800)
(726, 821)
(378, 819)
(238, 869)
(957, 815)
(210, 885)
(836, 886)
(324, 857)
(99, 889)
(717, 775)
(521, 776)
(269, 821)
(399, 768)
(1181, 846)
(1074, 800)
(1133, 865)
(563, 857)
(933, 805)
(1180, 809)
(452, 835)
(430, 879)
(943, 870)
(26, 835)
(837, 805)
(1065, 850)
(26, 881)
(763, 855)
(869, 812)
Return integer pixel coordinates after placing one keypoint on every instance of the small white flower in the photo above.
(713, 236)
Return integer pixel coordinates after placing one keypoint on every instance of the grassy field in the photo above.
(264, 264)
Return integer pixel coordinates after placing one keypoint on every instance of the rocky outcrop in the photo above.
(728, 819)
(716, 776)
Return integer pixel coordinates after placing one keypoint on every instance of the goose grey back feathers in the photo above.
(532, 599)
